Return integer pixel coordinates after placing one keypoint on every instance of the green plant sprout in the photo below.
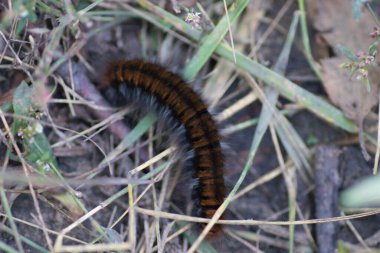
(359, 63)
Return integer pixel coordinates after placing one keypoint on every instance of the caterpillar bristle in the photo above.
(144, 82)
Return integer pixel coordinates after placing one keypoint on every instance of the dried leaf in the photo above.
(349, 94)
(337, 25)
(6, 99)
(335, 21)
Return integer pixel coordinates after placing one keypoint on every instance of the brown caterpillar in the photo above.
(169, 95)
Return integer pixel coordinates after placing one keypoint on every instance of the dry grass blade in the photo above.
(251, 222)
(286, 88)
(118, 188)
(26, 168)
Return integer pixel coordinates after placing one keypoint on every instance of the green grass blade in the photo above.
(8, 212)
(7, 248)
(306, 40)
(25, 240)
(212, 40)
(133, 136)
(365, 193)
(288, 89)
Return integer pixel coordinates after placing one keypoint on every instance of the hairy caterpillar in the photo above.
(157, 88)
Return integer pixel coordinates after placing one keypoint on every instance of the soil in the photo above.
(268, 201)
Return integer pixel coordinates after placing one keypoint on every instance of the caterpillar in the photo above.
(155, 87)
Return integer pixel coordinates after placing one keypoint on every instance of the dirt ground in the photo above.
(337, 150)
